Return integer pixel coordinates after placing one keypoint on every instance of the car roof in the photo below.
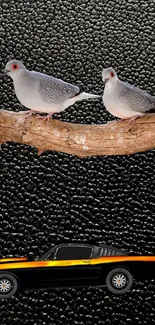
(95, 246)
(66, 244)
(87, 244)
(76, 243)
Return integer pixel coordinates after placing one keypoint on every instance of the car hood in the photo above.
(13, 259)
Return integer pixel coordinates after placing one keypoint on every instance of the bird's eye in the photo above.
(112, 74)
(14, 67)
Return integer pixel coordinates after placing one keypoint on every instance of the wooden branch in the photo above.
(118, 138)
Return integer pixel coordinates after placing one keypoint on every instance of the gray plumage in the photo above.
(137, 99)
(54, 90)
(124, 100)
(43, 93)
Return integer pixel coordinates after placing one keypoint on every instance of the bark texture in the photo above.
(82, 140)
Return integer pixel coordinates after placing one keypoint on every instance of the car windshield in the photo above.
(44, 257)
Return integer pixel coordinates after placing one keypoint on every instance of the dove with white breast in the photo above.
(43, 93)
(124, 100)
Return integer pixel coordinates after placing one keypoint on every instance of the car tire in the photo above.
(8, 285)
(119, 281)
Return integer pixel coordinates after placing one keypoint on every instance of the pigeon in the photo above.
(43, 93)
(123, 100)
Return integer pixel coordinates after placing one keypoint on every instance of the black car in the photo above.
(75, 265)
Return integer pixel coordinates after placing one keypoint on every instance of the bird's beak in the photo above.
(105, 80)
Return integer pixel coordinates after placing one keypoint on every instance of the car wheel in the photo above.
(119, 281)
(8, 285)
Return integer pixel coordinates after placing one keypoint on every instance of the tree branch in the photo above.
(82, 140)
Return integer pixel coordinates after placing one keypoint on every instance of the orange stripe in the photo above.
(112, 259)
(101, 260)
(13, 259)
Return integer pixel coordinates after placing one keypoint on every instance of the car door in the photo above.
(76, 275)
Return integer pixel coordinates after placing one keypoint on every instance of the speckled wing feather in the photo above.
(137, 99)
(55, 90)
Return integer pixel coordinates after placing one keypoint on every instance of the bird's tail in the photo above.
(84, 95)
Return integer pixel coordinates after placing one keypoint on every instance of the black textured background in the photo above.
(56, 197)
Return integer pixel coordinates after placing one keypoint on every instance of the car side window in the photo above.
(73, 252)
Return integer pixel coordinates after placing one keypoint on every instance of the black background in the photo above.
(57, 198)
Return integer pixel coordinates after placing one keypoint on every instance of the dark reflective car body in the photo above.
(78, 265)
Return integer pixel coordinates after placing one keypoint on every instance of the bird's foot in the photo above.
(44, 118)
(132, 119)
(129, 119)
(124, 119)
(29, 112)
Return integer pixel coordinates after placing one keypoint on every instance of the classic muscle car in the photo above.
(75, 265)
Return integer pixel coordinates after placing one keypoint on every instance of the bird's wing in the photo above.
(137, 99)
(53, 90)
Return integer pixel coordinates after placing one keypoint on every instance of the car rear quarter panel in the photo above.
(140, 270)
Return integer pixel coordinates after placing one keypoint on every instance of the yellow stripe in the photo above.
(102, 260)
